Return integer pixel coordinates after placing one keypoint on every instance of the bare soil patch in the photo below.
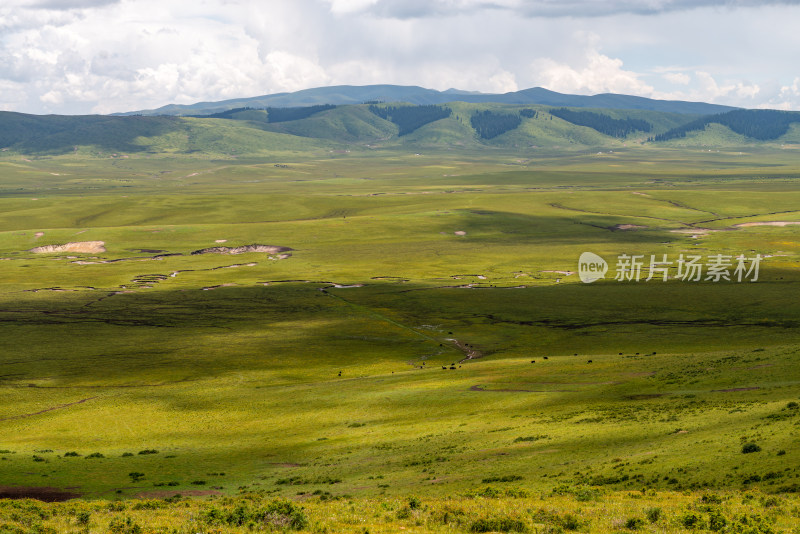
(44, 493)
(85, 247)
(628, 227)
(766, 223)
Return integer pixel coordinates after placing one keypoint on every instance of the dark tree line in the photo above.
(409, 118)
(294, 114)
(273, 114)
(602, 123)
(529, 113)
(761, 124)
(227, 114)
(489, 124)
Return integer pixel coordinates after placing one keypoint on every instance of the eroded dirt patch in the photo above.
(86, 247)
(766, 223)
(628, 227)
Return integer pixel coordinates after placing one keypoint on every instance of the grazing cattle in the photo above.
(590, 361)
(545, 357)
(533, 361)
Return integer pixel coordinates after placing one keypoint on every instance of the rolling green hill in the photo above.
(276, 131)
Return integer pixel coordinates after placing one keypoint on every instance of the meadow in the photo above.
(426, 347)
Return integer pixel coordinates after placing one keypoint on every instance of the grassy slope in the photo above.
(243, 379)
(344, 124)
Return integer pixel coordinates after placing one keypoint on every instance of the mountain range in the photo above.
(336, 119)
(350, 94)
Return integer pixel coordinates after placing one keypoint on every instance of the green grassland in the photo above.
(252, 373)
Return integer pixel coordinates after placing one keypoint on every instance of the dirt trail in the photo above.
(59, 407)
(471, 354)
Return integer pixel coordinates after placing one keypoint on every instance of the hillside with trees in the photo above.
(602, 123)
(490, 124)
(409, 118)
(760, 124)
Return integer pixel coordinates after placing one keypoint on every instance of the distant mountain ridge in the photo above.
(351, 94)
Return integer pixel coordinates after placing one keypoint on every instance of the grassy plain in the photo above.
(252, 373)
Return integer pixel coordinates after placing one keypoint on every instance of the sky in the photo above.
(104, 56)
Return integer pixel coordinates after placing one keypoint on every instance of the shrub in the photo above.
(568, 522)
(498, 524)
(95, 455)
(414, 503)
(634, 523)
(653, 514)
(750, 447)
(71, 454)
(692, 520)
(148, 451)
(83, 518)
(752, 524)
(124, 526)
(716, 521)
(136, 476)
(505, 478)
(278, 514)
(530, 438)
(126, 454)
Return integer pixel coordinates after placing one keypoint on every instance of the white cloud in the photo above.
(597, 73)
(350, 6)
(678, 78)
(292, 73)
(77, 56)
(538, 8)
(713, 91)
